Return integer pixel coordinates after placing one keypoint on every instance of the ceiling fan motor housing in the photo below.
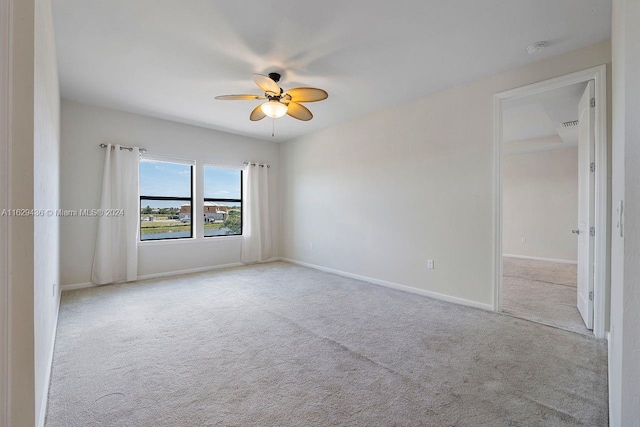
(275, 77)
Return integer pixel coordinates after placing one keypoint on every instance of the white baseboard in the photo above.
(266, 261)
(75, 286)
(535, 258)
(189, 271)
(430, 294)
(45, 396)
(170, 273)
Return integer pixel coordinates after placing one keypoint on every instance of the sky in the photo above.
(174, 180)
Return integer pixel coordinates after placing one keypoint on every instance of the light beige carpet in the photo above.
(543, 292)
(282, 345)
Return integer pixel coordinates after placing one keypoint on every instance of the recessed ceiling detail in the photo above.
(541, 117)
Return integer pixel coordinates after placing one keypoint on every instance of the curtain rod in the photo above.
(122, 147)
(256, 164)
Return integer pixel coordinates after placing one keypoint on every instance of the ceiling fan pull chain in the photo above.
(273, 128)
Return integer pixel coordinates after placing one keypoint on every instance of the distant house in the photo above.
(212, 211)
(215, 211)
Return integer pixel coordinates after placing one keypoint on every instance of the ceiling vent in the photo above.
(570, 124)
(537, 47)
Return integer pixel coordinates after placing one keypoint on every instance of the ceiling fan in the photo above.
(280, 102)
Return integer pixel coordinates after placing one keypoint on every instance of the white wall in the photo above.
(85, 126)
(46, 196)
(21, 194)
(624, 343)
(540, 203)
(5, 244)
(380, 195)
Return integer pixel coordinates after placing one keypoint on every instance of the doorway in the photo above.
(540, 208)
(550, 141)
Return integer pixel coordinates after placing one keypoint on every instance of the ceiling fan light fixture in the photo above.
(274, 109)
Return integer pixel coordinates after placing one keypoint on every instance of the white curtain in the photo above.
(116, 255)
(256, 218)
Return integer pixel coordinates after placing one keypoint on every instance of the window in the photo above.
(165, 200)
(222, 202)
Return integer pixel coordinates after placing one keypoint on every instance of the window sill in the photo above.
(187, 240)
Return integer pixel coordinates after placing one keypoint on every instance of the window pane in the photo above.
(164, 179)
(222, 205)
(222, 219)
(221, 183)
(163, 219)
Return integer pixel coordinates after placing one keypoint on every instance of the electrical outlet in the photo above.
(430, 264)
(55, 288)
(523, 240)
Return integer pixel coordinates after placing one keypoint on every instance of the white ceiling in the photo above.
(543, 115)
(169, 59)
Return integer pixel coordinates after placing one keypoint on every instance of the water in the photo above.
(182, 234)
(216, 232)
(168, 235)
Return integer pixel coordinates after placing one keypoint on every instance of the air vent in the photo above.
(537, 47)
(570, 124)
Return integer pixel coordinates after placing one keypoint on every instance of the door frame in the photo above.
(5, 199)
(599, 75)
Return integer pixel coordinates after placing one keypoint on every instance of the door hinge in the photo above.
(593, 167)
(593, 102)
(592, 231)
(591, 296)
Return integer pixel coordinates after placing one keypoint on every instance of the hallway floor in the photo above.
(543, 292)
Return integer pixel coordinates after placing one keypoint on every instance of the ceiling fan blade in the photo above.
(266, 84)
(257, 114)
(307, 94)
(239, 97)
(299, 112)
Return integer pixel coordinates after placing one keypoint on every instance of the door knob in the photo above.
(576, 231)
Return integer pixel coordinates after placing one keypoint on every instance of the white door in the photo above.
(586, 194)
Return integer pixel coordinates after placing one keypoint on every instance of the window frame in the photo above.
(218, 199)
(168, 198)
